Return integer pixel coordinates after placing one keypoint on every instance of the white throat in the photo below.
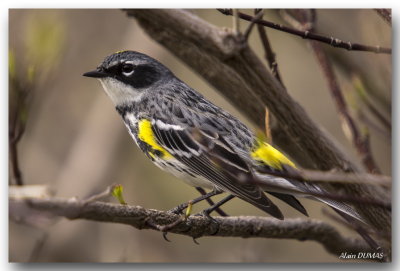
(119, 92)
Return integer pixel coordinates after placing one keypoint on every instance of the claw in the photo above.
(217, 226)
(195, 240)
(206, 214)
(212, 220)
(164, 234)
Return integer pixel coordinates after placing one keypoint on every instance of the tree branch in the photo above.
(269, 54)
(335, 42)
(197, 226)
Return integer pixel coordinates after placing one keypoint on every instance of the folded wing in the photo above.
(209, 156)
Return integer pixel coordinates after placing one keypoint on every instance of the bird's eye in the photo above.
(127, 69)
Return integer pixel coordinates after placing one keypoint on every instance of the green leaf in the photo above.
(117, 193)
(189, 210)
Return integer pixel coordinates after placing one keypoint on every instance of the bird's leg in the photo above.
(206, 212)
(181, 207)
(211, 202)
(178, 210)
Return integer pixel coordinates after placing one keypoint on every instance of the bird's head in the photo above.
(126, 75)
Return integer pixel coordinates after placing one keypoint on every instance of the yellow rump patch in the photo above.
(270, 156)
(145, 134)
(118, 52)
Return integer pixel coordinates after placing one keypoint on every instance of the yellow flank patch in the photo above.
(270, 156)
(145, 134)
(118, 52)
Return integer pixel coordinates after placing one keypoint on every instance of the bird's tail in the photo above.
(358, 228)
(342, 207)
(352, 217)
(308, 190)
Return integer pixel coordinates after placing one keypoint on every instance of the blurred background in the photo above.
(76, 143)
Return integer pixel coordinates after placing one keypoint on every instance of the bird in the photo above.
(185, 134)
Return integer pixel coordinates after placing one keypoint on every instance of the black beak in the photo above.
(96, 74)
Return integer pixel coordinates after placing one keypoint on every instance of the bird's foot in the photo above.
(206, 214)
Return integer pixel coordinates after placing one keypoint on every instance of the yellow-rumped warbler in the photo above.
(190, 137)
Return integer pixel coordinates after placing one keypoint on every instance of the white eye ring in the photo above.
(128, 69)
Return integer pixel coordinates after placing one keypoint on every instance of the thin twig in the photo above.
(15, 163)
(386, 14)
(102, 195)
(370, 123)
(360, 142)
(38, 247)
(251, 25)
(335, 42)
(378, 115)
(359, 87)
(272, 63)
(235, 21)
(18, 100)
(269, 54)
